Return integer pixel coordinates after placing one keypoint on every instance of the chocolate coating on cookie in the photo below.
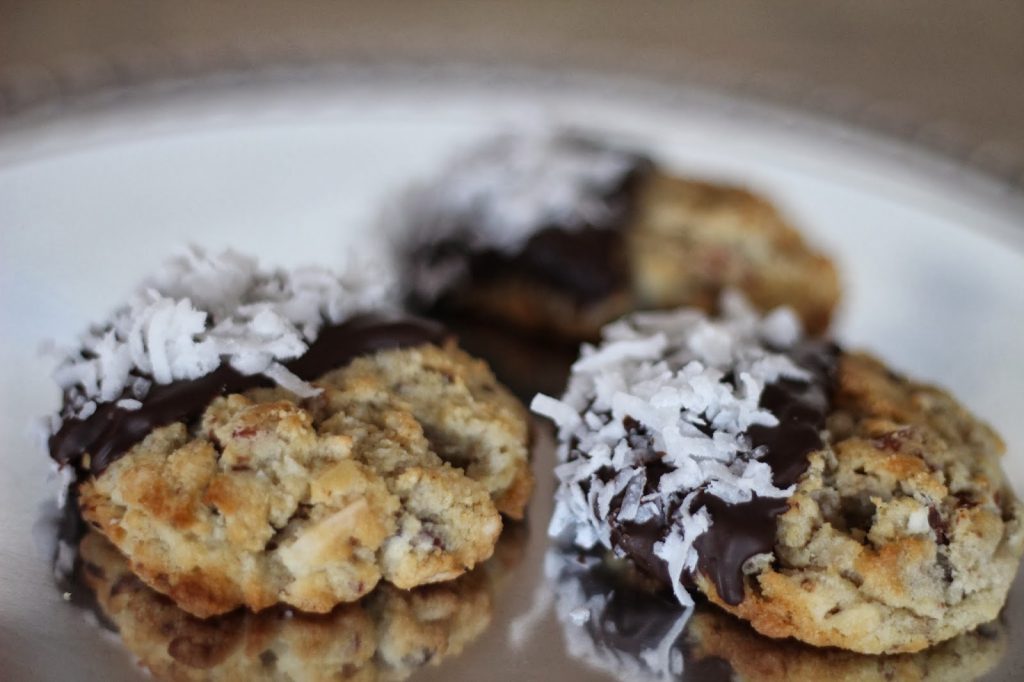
(902, 532)
(741, 531)
(112, 430)
(681, 437)
(586, 263)
(548, 211)
(558, 235)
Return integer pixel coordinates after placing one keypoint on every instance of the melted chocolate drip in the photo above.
(587, 263)
(740, 531)
(111, 431)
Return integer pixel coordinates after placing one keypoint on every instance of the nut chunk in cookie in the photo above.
(808, 490)
(561, 234)
(249, 438)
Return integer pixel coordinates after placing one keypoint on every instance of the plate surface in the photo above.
(296, 167)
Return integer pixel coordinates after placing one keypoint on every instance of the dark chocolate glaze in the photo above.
(740, 531)
(111, 430)
(587, 263)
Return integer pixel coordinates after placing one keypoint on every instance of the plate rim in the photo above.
(33, 98)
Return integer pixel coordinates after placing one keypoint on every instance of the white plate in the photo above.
(295, 167)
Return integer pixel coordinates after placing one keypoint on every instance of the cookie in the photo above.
(560, 235)
(902, 533)
(386, 636)
(325, 452)
(808, 490)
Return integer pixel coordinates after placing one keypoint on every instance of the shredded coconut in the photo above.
(690, 387)
(497, 195)
(200, 311)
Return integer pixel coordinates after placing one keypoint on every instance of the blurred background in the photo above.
(948, 74)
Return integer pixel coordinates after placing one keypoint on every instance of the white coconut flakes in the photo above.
(200, 311)
(669, 372)
(500, 193)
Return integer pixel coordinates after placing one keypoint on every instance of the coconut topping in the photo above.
(513, 185)
(677, 391)
(201, 311)
(498, 195)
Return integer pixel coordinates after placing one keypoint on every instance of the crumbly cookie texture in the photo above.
(386, 636)
(662, 241)
(686, 243)
(753, 658)
(690, 240)
(470, 420)
(902, 533)
(396, 470)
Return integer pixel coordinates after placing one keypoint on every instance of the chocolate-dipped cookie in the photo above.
(249, 438)
(806, 489)
(560, 234)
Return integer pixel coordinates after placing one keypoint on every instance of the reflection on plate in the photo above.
(755, 658)
(615, 623)
(387, 635)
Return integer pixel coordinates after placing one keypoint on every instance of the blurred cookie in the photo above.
(386, 636)
(559, 234)
(284, 448)
(810, 491)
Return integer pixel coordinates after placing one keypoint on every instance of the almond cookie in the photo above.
(280, 445)
(559, 234)
(808, 490)
(903, 531)
(387, 635)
